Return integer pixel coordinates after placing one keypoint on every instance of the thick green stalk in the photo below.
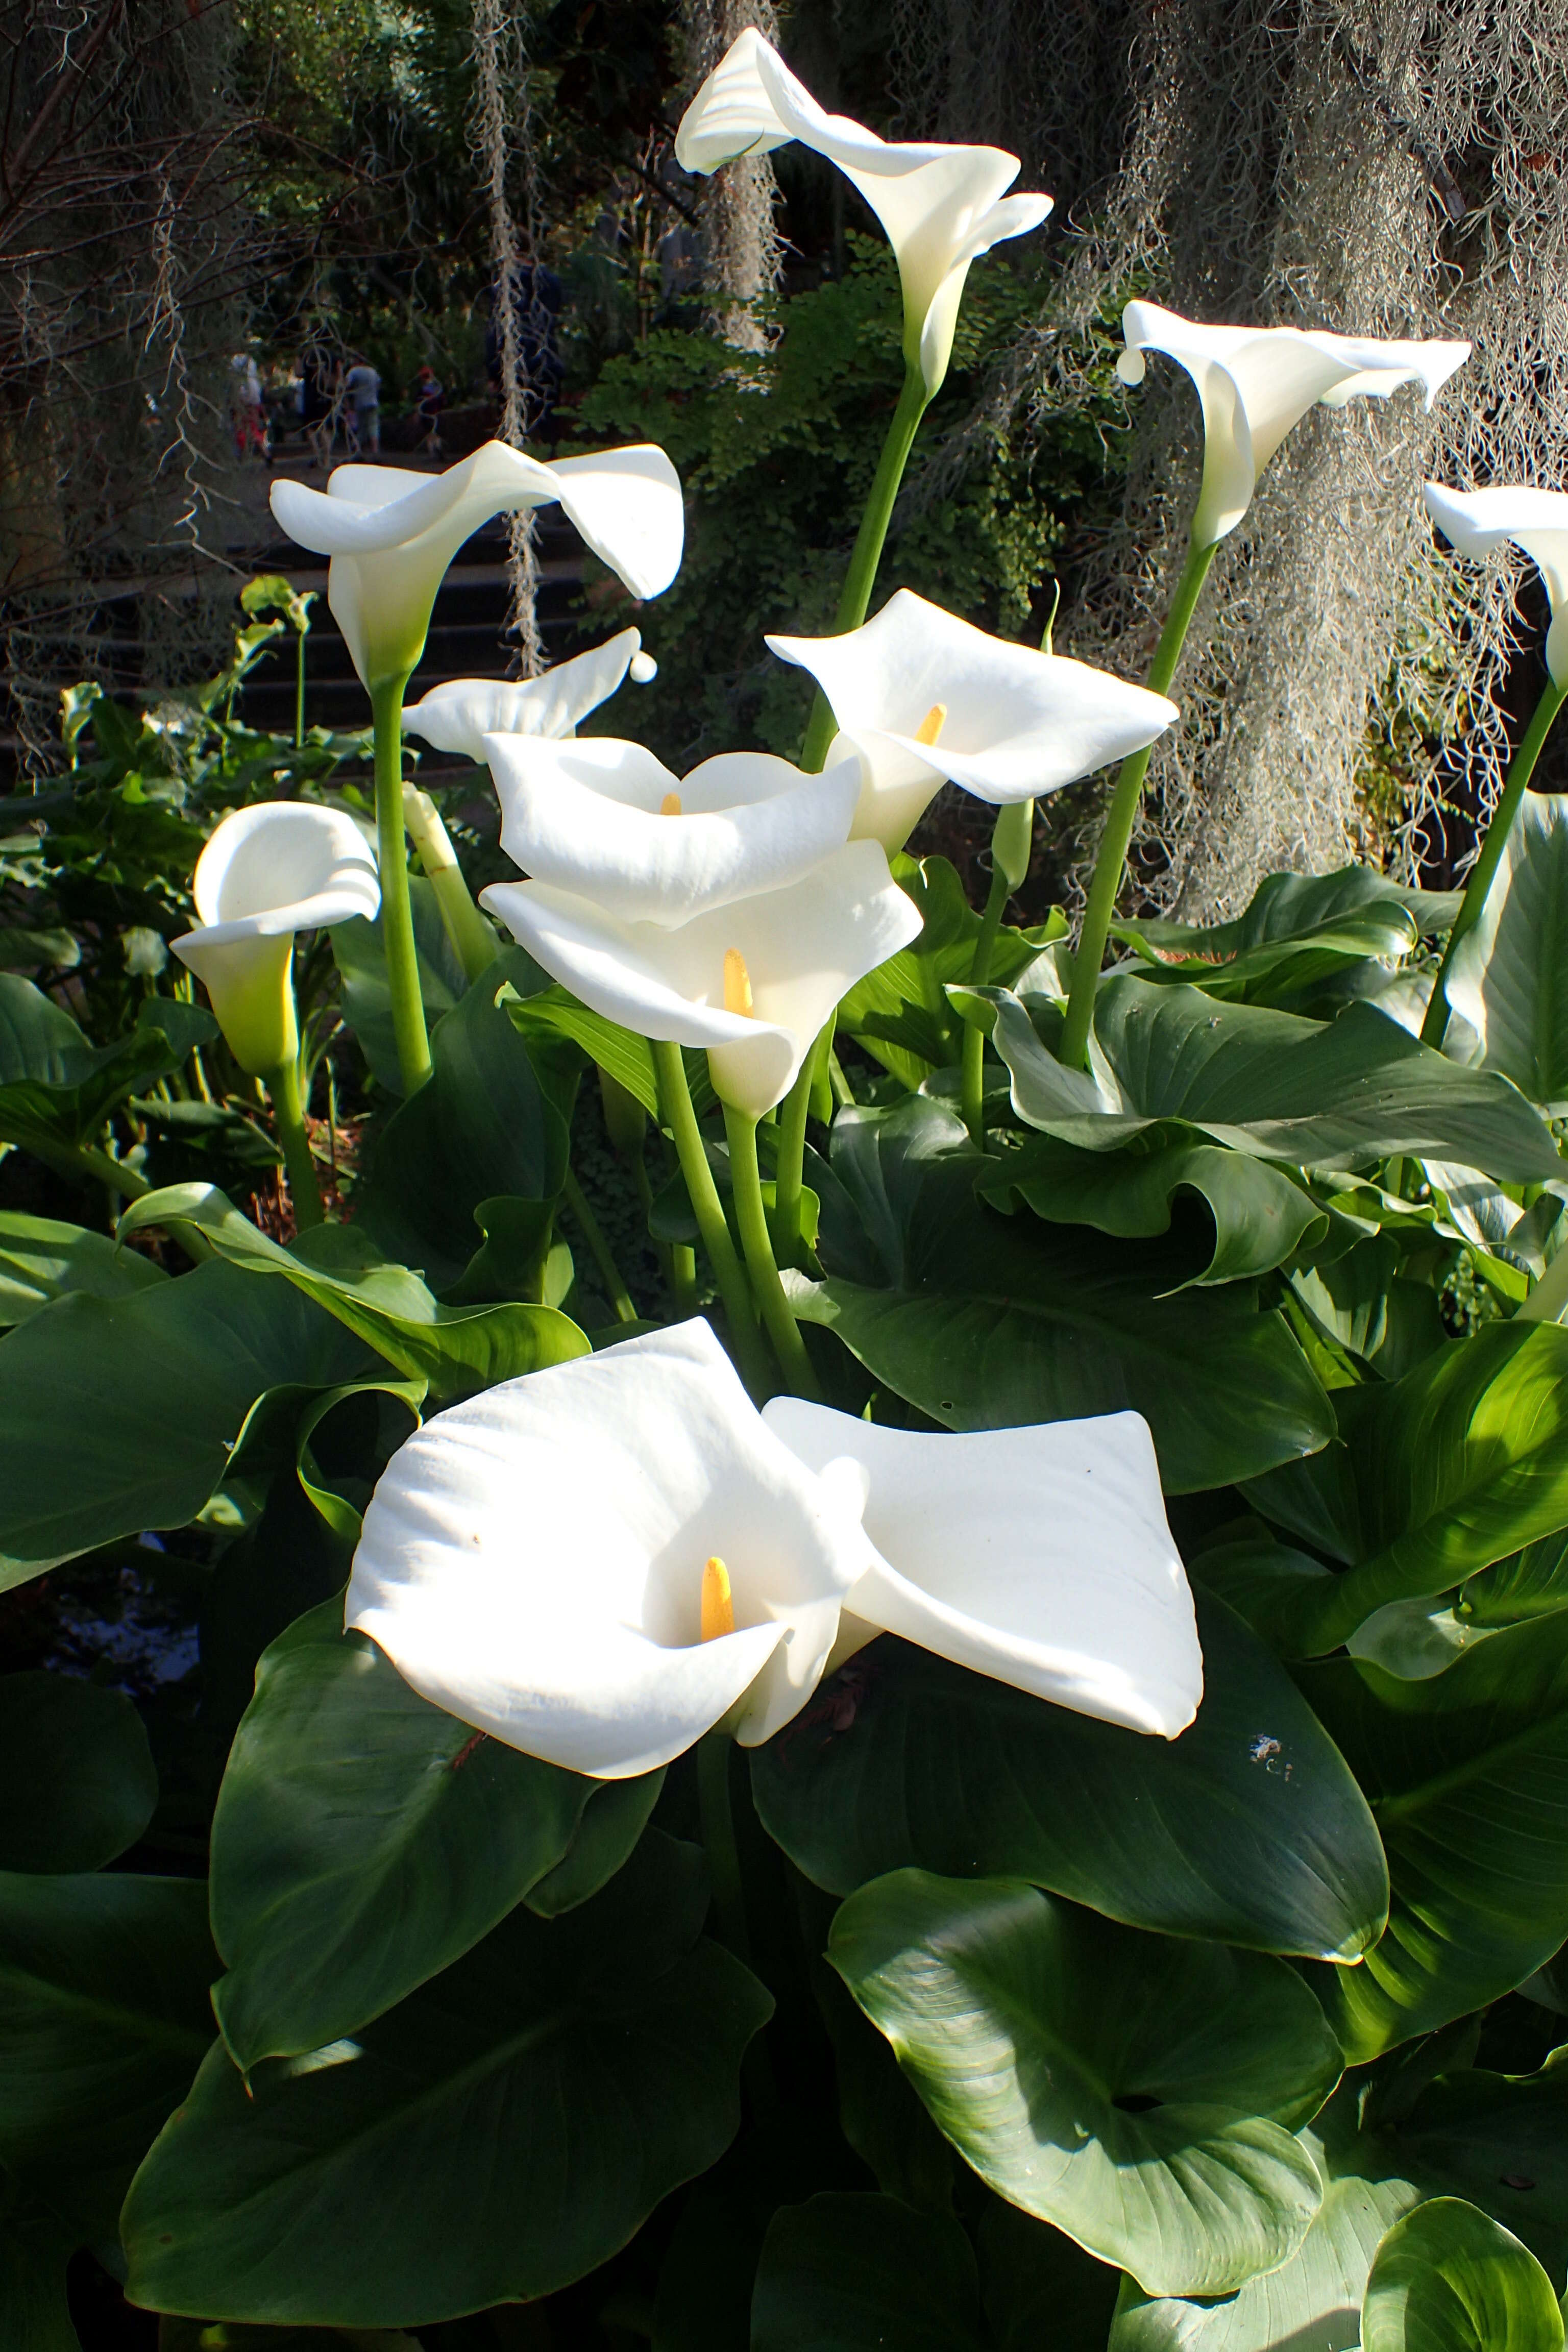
(473, 941)
(869, 541)
(593, 1232)
(1011, 837)
(789, 1164)
(761, 1264)
(1122, 816)
(299, 689)
(85, 1160)
(719, 1837)
(675, 1102)
(1434, 1027)
(288, 1117)
(396, 910)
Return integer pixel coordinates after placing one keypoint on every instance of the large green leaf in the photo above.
(362, 1842)
(856, 2273)
(41, 1260)
(480, 1129)
(1449, 2278)
(1312, 1093)
(1260, 1217)
(986, 1321)
(120, 1414)
(1468, 1776)
(555, 1013)
(1501, 2141)
(454, 1349)
(55, 1089)
(34, 2251)
(1459, 1464)
(77, 1773)
(1532, 1582)
(1509, 974)
(1140, 2093)
(1247, 1829)
(1298, 931)
(103, 2022)
(500, 2133)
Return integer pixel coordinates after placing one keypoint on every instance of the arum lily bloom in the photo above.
(605, 820)
(925, 698)
(600, 1562)
(1536, 521)
(457, 716)
(752, 982)
(1256, 382)
(1039, 1556)
(391, 533)
(942, 206)
(267, 872)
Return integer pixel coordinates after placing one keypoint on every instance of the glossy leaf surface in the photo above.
(77, 1773)
(1449, 2278)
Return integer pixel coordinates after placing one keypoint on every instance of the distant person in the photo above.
(245, 411)
(430, 399)
(537, 297)
(362, 410)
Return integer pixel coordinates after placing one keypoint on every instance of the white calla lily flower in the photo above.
(1256, 382)
(267, 872)
(391, 533)
(456, 716)
(600, 1562)
(942, 206)
(1039, 1556)
(1536, 521)
(752, 982)
(608, 822)
(925, 698)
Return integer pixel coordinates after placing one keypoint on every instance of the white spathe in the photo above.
(804, 948)
(1015, 723)
(585, 817)
(391, 533)
(457, 716)
(1256, 382)
(1536, 521)
(533, 1560)
(267, 872)
(1039, 1556)
(942, 206)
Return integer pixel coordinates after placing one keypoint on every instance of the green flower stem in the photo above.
(1117, 838)
(1011, 837)
(789, 1165)
(299, 688)
(396, 912)
(675, 1102)
(861, 577)
(473, 941)
(593, 1232)
(719, 1837)
(83, 1160)
(1434, 1027)
(288, 1117)
(683, 1277)
(761, 1264)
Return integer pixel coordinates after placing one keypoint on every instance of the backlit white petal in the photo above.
(1257, 383)
(532, 1561)
(1536, 521)
(1017, 724)
(940, 204)
(456, 716)
(585, 817)
(1039, 1556)
(804, 947)
(392, 534)
(267, 872)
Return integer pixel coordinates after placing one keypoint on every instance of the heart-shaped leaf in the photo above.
(613, 2031)
(1298, 930)
(1141, 2094)
(362, 1842)
(1248, 1828)
(1448, 2278)
(1510, 973)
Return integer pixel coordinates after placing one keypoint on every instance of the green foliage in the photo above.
(777, 452)
(1450, 2278)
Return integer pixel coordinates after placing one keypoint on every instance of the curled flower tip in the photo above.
(718, 1601)
(671, 805)
(737, 983)
(644, 669)
(929, 731)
